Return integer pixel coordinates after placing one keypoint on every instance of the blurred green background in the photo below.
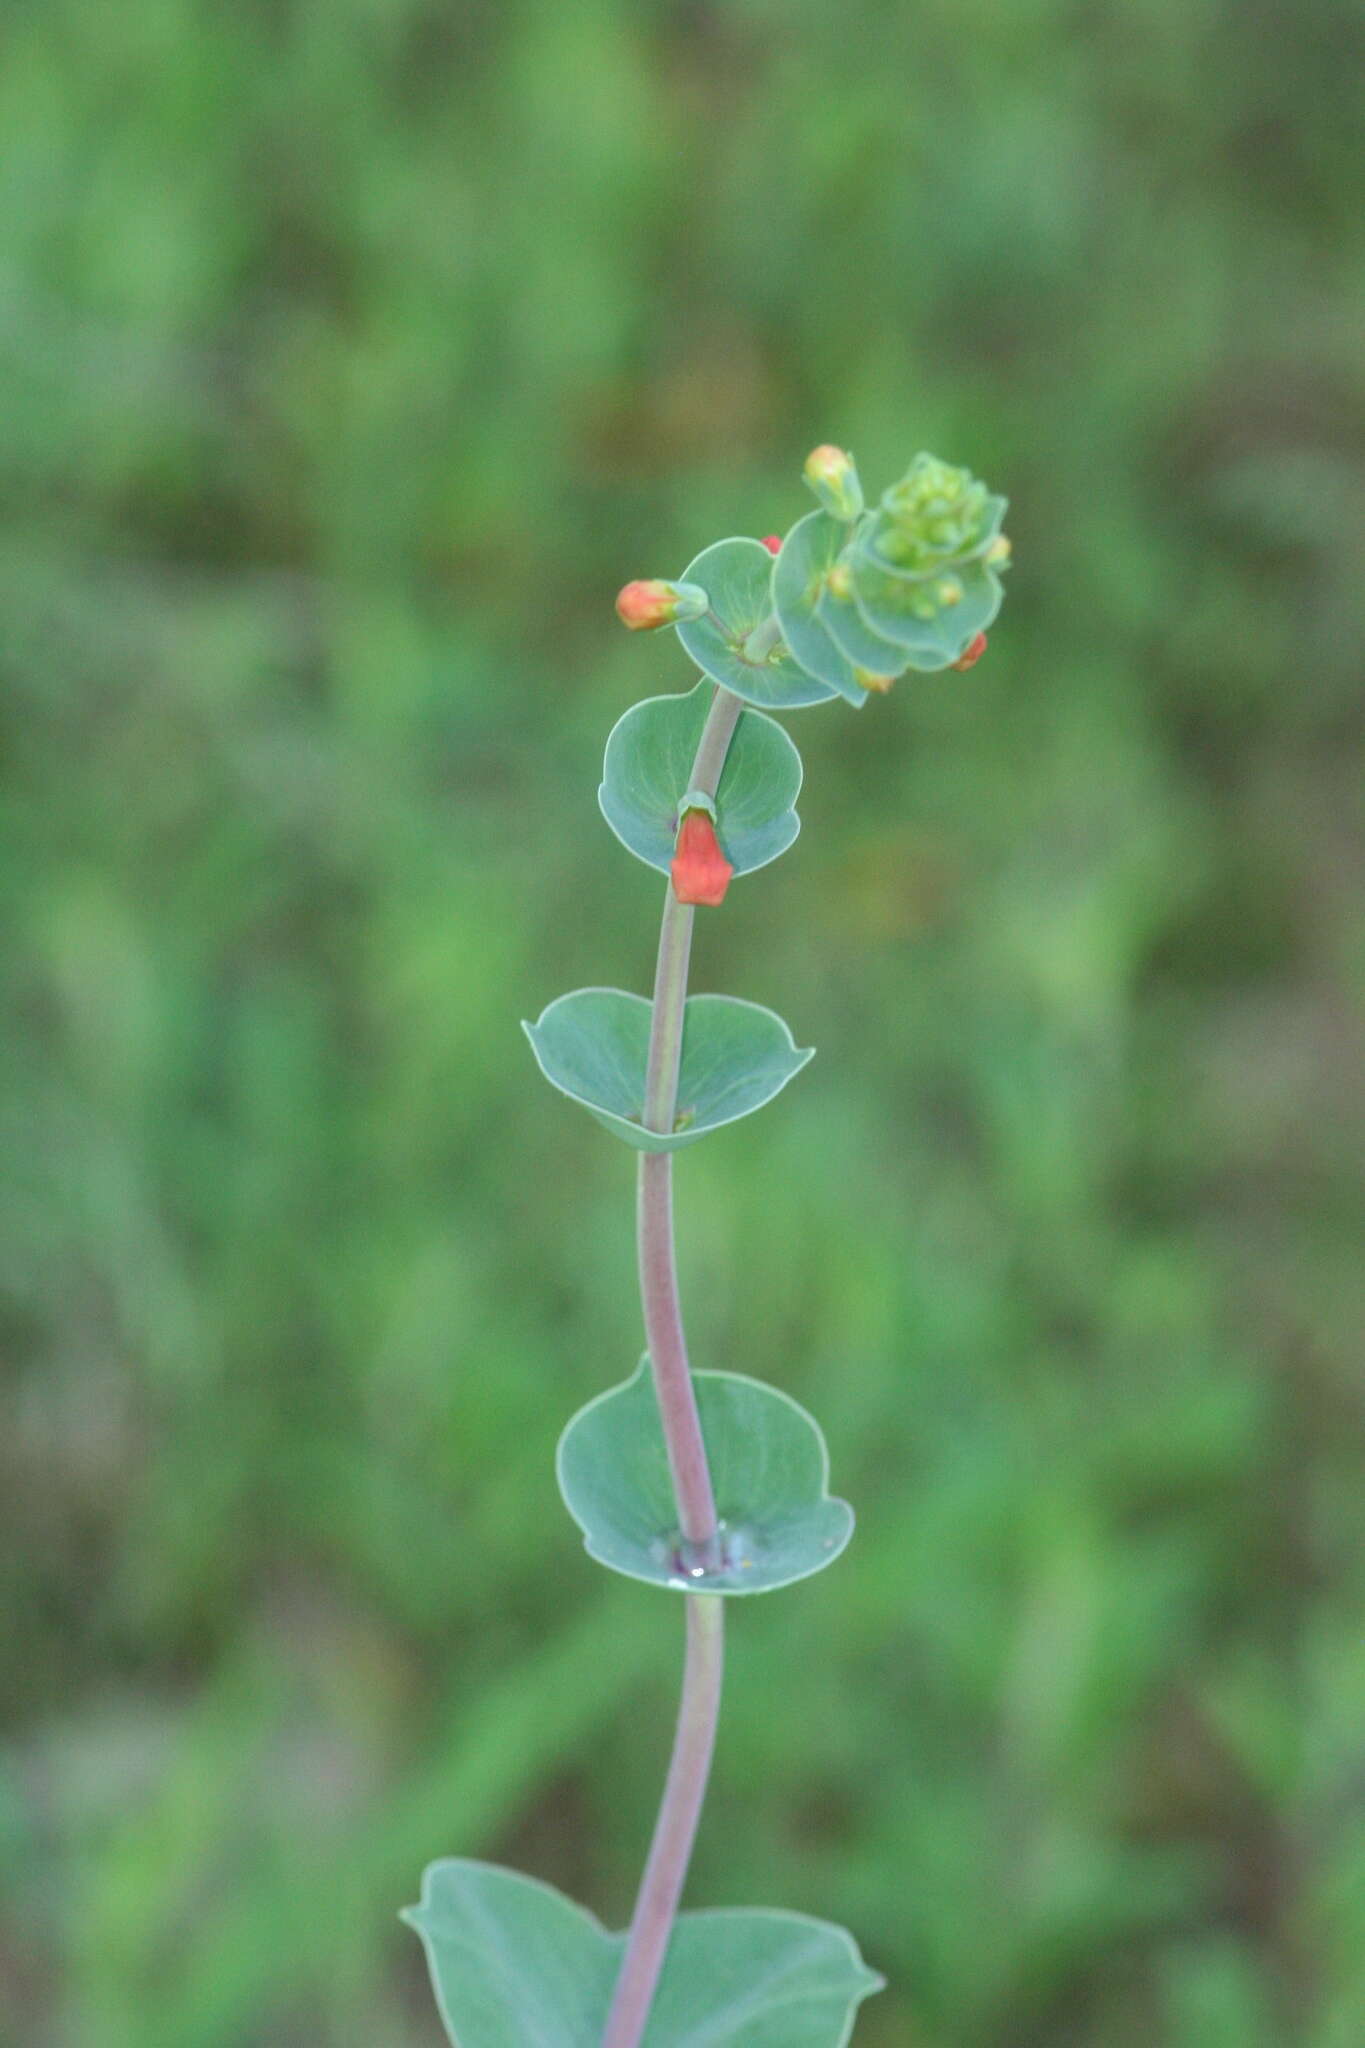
(353, 352)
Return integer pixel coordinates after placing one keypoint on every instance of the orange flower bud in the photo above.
(644, 605)
(773, 543)
(700, 871)
(971, 653)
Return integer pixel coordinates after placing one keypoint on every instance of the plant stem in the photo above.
(675, 1830)
(664, 1334)
(671, 1850)
(667, 1346)
(763, 639)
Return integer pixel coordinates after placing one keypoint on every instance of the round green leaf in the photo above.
(512, 1961)
(649, 758)
(798, 577)
(593, 1046)
(887, 603)
(850, 631)
(514, 1964)
(737, 577)
(769, 1472)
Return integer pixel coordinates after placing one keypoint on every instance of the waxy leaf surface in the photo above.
(737, 577)
(852, 634)
(514, 1964)
(648, 767)
(769, 1471)
(887, 604)
(798, 579)
(593, 1046)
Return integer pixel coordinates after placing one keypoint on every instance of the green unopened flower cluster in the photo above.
(851, 598)
(930, 539)
(921, 569)
(935, 516)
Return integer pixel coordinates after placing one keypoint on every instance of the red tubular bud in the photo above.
(646, 604)
(773, 543)
(971, 653)
(700, 871)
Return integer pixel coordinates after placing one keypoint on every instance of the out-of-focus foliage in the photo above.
(353, 353)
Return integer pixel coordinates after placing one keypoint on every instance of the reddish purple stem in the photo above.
(675, 1831)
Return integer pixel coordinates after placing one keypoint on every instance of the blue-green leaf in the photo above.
(514, 1964)
(798, 578)
(593, 1046)
(737, 577)
(908, 610)
(850, 631)
(648, 762)
(769, 1472)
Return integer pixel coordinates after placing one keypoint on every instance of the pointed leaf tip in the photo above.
(593, 1046)
(513, 1961)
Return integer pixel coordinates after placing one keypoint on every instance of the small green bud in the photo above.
(834, 480)
(645, 605)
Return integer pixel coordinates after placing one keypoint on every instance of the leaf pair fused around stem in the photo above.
(710, 1484)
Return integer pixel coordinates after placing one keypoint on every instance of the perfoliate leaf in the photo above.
(737, 577)
(855, 638)
(512, 1961)
(593, 1046)
(798, 578)
(514, 1964)
(648, 762)
(769, 1471)
(914, 612)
